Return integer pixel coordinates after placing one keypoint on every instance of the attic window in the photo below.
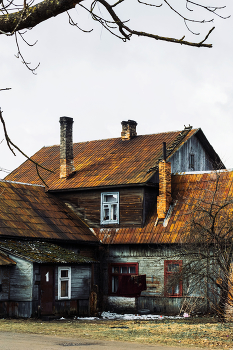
(191, 161)
(110, 208)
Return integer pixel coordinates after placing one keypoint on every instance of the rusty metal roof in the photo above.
(187, 188)
(43, 252)
(27, 211)
(100, 163)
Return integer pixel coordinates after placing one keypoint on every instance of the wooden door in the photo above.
(47, 289)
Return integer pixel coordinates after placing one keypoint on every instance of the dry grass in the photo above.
(201, 332)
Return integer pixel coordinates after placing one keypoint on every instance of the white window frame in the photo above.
(103, 203)
(60, 279)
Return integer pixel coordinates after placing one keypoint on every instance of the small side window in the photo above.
(64, 282)
(110, 208)
(191, 161)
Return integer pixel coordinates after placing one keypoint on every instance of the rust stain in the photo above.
(98, 163)
(28, 211)
(187, 189)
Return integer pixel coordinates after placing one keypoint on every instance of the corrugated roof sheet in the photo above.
(28, 211)
(186, 189)
(43, 252)
(99, 163)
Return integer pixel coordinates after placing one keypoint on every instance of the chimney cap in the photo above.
(66, 120)
(130, 122)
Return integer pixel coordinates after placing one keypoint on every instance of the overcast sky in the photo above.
(99, 81)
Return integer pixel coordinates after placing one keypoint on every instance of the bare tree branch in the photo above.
(14, 18)
(10, 144)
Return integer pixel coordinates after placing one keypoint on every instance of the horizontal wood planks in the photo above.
(87, 204)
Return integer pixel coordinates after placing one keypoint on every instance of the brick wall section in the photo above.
(164, 198)
(66, 147)
(128, 130)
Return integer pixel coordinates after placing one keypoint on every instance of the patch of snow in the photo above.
(114, 316)
(106, 315)
(86, 318)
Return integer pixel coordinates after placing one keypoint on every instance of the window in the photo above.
(172, 278)
(117, 273)
(110, 208)
(64, 282)
(191, 161)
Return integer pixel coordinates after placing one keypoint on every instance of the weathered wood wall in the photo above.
(21, 280)
(80, 282)
(150, 259)
(5, 282)
(17, 282)
(20, 290)
(87, 204)
(180, 160)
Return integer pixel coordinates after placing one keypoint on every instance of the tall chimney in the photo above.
(128, 129)
(164, 198)
(66, 147)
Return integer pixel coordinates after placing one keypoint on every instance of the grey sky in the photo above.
(100, 81)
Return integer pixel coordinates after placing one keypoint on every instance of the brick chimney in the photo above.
(164, 199)
(128, 130)
(66, 147)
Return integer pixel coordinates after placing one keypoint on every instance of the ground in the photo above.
(183, 332)
(20, 341)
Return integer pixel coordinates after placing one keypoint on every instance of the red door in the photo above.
(47, 290)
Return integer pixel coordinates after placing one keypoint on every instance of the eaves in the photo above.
(143, 184)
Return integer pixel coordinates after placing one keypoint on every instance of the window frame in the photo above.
(166, 276)
(192, 161)
(110, 221)
(62, 279)
(111, 274)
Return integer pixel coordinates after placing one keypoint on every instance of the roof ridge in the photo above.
(21, 183)
(204, 172)
(115, 138)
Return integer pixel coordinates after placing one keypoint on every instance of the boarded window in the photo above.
(172, 278)
(64, 282)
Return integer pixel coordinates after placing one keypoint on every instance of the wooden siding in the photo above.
(5, 282)
(150, 261)
(16, 290)
(87, 204)
(21, 280)
(20, 288)
(80, 282)
(131, 207)
(180, 159)
(150, 201)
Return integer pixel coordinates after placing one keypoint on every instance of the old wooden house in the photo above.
(47, 255)
(124, 190)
